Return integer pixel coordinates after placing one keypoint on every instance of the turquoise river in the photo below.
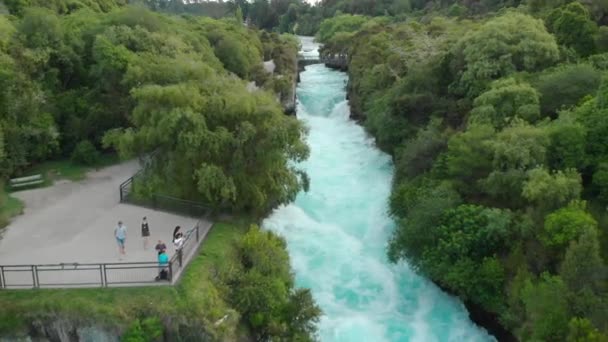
(337, 232)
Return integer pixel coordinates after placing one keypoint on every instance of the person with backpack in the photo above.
(163, 263)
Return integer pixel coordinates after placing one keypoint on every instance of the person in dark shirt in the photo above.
(145, 232)
(160, 246)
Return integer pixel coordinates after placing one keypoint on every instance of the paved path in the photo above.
(74, 222)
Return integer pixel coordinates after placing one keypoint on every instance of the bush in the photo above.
(565, 225)
(145, 330)
(599, 61)
(85, 153)
(262, 289)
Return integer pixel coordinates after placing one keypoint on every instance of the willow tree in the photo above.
(215, 142)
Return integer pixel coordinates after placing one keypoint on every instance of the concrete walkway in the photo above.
(74, 222)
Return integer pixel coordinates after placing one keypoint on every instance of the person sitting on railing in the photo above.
(163, 263)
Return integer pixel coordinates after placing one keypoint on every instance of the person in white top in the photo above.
(179, 242)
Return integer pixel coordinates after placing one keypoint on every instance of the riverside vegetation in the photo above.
(81, 77)
(240, 286)
(496, 115)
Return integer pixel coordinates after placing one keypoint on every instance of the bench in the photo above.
(26, 181)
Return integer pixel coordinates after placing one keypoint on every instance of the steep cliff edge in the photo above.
(279, 72)
(58, 329)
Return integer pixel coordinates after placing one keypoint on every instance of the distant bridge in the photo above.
(308, 60)
(336, 62)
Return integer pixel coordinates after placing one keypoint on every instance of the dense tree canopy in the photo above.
(157, 83)
(508, 44)
(505, 100)
(495, 112)
(189, 95)
(215, 142)
(497, 127)
(573, 27)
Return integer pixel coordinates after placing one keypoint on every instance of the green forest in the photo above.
(496, 115)
(239, 288)
(83, 78)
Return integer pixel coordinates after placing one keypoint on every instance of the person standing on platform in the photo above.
(145, 232)
(176, 233)
(160, 246)
(163, 263)
(120, 233)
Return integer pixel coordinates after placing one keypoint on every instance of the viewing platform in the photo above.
(65, 238)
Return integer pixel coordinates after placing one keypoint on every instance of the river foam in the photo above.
(337, 233)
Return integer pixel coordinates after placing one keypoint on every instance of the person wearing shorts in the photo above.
(145, 232)
(120, 233)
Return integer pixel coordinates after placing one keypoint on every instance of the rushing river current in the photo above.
(337, 232)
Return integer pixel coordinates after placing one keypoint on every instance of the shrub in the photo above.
(85, 153)
(565, 225)
(145, 330)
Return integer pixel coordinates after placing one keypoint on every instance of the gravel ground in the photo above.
(74, 222)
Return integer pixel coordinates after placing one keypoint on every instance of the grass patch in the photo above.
(53, 170)
(12, 206)
(66, 169)
(9, 207)
(198, 298)
(102, 306)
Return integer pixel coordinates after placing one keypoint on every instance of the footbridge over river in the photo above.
(334, 62)
(308, 60)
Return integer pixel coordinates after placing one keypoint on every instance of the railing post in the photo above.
(179, 257)
(101, 275)
(197, 235)
(105, 275)
(170, 275)
(35, 276)
(2, 280)
(120, 192)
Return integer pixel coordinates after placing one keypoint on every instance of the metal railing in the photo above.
(66, 275)
(162, 202)
(82, 275)
(189, 248)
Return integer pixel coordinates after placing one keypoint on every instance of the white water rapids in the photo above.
(338, 231)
